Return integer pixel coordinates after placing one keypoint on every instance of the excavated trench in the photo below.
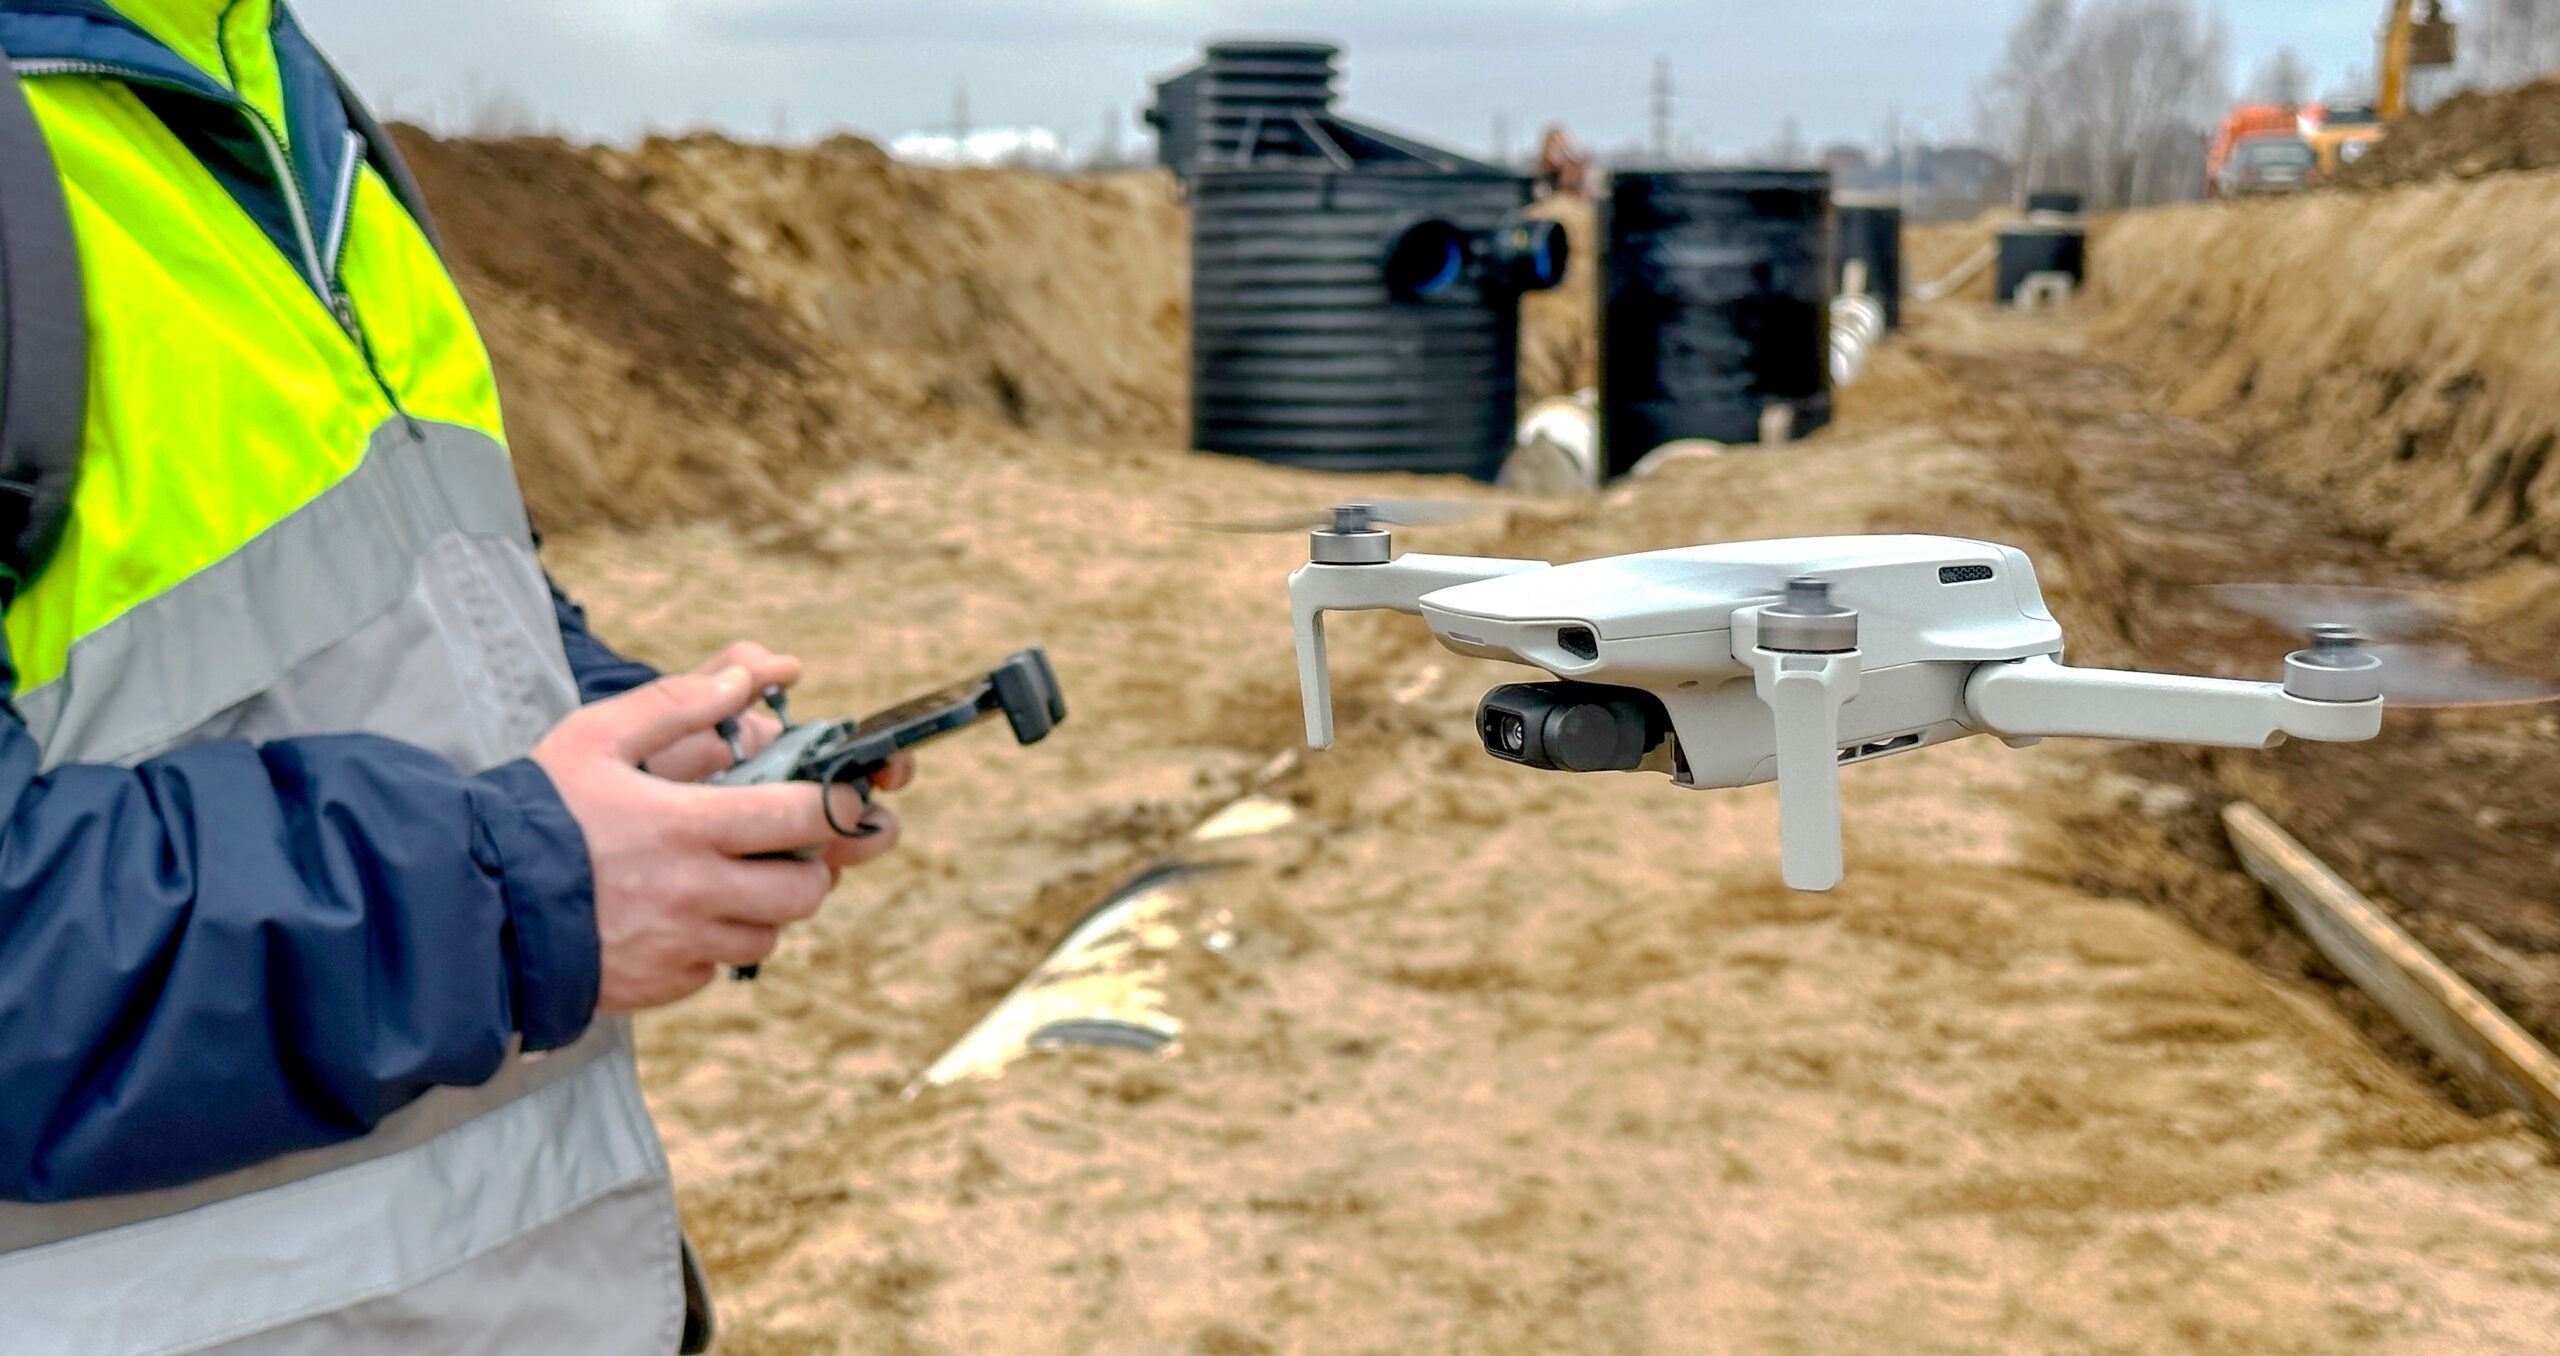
(1476, 1060)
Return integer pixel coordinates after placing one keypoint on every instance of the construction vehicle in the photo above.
(2246, 123)
(2340, 135)
(2274, 162)
(2411, 42)
(2414, 38)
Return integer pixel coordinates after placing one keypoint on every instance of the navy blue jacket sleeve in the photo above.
(601, 673)
(236, 952)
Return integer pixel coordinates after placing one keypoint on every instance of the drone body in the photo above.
(1737, 664)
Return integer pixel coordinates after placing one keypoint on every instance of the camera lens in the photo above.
(1572, 727)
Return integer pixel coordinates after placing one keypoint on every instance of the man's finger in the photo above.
(770, 669)
(757, 821)
(773, 894)
(741, 944)
(898, 775)
(647, 721)
(883, 828)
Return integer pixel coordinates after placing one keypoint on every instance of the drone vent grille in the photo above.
(1966, 574)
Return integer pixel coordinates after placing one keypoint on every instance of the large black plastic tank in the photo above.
(1355, 294)
(1871, 233)
(1361, 320)
(2031, 247)
(1716, 297)
(1263, 93)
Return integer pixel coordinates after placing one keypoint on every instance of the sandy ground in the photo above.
(1504, 1062)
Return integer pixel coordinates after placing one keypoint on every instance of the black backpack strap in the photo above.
(44, 346)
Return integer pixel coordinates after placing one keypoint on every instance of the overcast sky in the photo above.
(610, 69)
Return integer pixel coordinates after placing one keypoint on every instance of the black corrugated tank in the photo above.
(1716, 303)
(1352, 320)
(2032, 247)
(1871, 233)
(1244, 99)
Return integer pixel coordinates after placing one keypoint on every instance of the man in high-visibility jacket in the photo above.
(327, 856)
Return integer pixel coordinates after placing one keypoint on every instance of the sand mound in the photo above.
(1056, 305)
(2394, 354)
(2467, 136)
(701, 329)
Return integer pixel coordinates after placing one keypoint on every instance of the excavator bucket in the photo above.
(2432, 39)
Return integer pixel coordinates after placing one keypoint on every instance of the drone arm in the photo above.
(2040, 697)
(1398, 586)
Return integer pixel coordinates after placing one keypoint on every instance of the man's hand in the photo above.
(680, 891)
(701, 756)
(703, 753)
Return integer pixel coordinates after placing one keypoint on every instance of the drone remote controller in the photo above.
(1786, 661)
(1024, 690)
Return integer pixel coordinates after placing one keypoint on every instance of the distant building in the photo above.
(1938, 183)
(994, 148)
(1848, 162)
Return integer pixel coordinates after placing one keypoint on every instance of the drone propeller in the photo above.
(1370, 513)
(2416, 675)
(2444, 675)
(2376, 614)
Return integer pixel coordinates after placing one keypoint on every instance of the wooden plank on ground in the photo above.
(2477, 1040)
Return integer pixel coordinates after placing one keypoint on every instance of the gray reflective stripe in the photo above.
(173, 668)
(468, 665)
(607, 1279)
(377, 1229)
(33, 1226)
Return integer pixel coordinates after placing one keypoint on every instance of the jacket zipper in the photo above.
(320, 274)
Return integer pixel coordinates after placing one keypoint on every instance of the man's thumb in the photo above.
(646, 721)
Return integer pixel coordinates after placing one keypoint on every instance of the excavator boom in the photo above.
(2412, 41)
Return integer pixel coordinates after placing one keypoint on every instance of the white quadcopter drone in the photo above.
(1737, 664)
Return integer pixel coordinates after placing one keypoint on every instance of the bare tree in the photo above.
(2019, 103)
(2147, 89)
(2284, 78)
(2116, 99)
(2507, 42)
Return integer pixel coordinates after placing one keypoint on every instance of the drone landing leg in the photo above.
(1806, 692)
(1398, 586)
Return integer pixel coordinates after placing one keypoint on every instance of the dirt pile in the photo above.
(2467, 136)
(2396, 355)
(2371, 397)
(1055, 305)
(701, 329)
